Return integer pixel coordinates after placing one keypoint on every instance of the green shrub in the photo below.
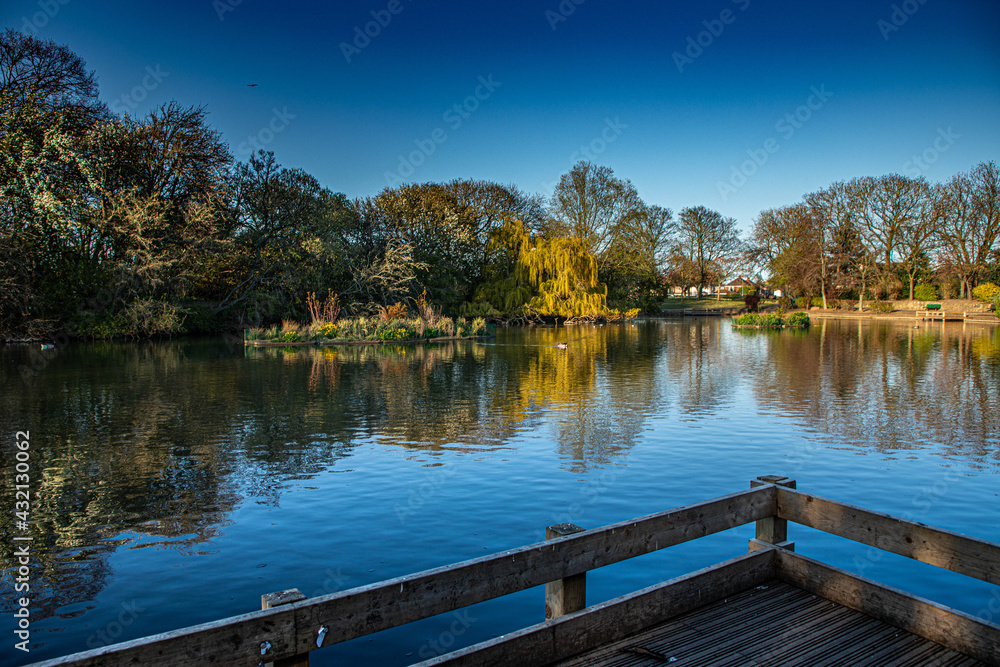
(996, 307)
(987, 292)
(759, 320)
(925, 292)
(784, 303)
(818, 301)
(798, 320)
(397, 331)
(883, 307)
(802, 302)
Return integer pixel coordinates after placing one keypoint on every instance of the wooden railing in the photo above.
(291, 631)
(289, 627)
(966, 555)
(936, 546)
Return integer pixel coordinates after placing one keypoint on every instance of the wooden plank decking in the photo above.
(770, 625)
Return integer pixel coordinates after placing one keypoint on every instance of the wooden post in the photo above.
(771, 529)
(564, 596)
(276, 600)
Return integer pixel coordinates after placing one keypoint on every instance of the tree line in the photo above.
(116, 225)
(119, 225)
(879, 237)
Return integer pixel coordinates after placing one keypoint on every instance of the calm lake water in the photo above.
(177, 481)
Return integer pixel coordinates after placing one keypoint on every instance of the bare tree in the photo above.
(917, 237)
(40, 74)
(788, 243)
(705, 237)
(884, 206)
(647, 238)
(591, 203)
(840, 241)
(970, 223)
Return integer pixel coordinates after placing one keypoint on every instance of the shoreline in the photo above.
(909, 316)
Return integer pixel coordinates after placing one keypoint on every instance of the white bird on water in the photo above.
(562, 346)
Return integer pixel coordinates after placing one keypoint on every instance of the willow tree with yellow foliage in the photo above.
(564, 274)
(544, 278)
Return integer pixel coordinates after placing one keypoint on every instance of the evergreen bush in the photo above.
(987, 292)
(925, 292)
(798, 320)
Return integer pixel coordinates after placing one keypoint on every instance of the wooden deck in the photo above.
(771, 625)
(944, 316)
(767, 606)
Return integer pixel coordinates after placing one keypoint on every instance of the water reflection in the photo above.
(156, 444)
(891, 387)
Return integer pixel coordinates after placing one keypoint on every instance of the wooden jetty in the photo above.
(770, 606)
(953, 316)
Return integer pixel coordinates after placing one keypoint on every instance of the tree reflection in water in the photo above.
(156, 444)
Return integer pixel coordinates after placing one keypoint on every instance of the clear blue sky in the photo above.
(673, 96)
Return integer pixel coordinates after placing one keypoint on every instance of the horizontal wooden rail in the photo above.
(945, 549)
(615, 619)
(944, 625)
(293, 629)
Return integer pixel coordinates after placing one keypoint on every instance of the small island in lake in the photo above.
(770, 321)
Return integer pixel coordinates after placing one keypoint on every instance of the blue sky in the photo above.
(738, 105)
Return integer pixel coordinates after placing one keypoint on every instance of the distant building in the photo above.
(737, 286)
